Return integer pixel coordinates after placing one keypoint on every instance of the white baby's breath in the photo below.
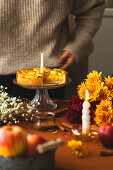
(29, 111)
(13, 109)
(10, 107)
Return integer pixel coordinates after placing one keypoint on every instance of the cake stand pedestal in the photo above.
(41, 100)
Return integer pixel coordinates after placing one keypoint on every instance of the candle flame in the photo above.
(87, 95)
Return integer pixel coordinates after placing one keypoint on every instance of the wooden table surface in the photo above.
(64, 159)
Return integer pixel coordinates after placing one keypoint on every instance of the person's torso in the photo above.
(28, 27)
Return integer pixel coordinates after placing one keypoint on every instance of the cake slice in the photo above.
(34, 77)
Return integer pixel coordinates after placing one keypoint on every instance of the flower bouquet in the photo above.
(12, 109)
(100, 96)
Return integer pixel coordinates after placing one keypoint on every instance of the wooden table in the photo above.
(64, 159)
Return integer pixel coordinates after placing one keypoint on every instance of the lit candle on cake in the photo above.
(86, 115)
(42, 63)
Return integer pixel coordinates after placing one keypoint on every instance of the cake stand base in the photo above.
(42, 101)
(90, 137)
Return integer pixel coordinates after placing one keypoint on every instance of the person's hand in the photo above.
(66, 60)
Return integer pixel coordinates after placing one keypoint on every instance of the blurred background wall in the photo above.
(109, 3)
(102, 56)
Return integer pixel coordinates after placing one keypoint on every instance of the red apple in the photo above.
(105, 133)
(32, 142)
(12, 140)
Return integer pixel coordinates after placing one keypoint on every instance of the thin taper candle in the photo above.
(86, 115)
(42, 63)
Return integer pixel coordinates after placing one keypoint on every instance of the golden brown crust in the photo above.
(33, 76)
(27, 79)
(38, 81)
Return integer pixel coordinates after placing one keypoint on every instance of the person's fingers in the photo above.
(68, 62)
(64, 57)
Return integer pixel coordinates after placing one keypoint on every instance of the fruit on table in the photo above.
(105, 133)
(12, 140)
(32, 142)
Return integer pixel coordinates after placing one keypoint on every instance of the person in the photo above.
(28, 27)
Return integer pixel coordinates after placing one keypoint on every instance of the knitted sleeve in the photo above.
(88, 18)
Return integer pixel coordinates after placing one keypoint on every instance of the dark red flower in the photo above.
(74, 111)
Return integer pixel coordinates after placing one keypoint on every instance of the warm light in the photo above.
(87, 95)
(75, 132)
(42, 63)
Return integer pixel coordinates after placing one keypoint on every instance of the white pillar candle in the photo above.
(86, 115)
(42, 63)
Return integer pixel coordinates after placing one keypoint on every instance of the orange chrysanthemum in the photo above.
(94, 77)
(93, 84)
(94, 90)
(97, 88)
(82, 91)
(109, 84)
(104, 94)
(100, 90)
(104, 112)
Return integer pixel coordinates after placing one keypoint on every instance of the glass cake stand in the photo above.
(41, 100)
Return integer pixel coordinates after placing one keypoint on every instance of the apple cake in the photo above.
(34, 77)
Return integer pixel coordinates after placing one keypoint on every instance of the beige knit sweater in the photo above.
(28, 27)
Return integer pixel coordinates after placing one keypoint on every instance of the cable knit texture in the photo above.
(29, 27)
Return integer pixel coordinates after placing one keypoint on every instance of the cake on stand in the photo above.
(41, 100)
